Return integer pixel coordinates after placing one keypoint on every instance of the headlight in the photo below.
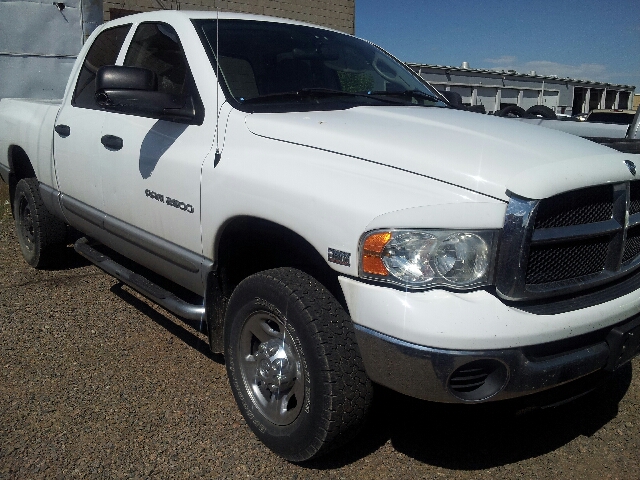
(428, 258)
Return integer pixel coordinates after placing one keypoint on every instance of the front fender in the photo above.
(328, 199)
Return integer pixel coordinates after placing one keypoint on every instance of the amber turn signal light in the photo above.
(371, 253)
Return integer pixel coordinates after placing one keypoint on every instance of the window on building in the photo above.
(596, 98)
(579, 97)
(623, 100)
(508, 96)
(610, 100)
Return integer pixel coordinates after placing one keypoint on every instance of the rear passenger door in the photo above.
(151, 183)
(78, 132)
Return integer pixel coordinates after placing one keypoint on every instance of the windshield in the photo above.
(269, 65)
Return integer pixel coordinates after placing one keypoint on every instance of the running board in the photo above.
(146, 287)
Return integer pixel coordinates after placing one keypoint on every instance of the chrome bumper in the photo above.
(475, 376)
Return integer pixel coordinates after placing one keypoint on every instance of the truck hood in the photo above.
(485, 154)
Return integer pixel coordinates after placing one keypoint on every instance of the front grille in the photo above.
(634, 198)
(569, 242)
(576, 208)
(550, 263)
(632, 245)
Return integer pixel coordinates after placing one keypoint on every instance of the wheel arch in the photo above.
(20, 167)
(19, 163)
(246, 245)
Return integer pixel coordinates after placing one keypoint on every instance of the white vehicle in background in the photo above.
(600, 125)
(582, 128)
(331, 218)
(608, 127)
(616, 116)
(616, 129)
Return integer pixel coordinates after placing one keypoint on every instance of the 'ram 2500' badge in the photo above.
(172, 202)
(340, 257)
(631, 166)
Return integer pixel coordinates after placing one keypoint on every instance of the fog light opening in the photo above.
(478, 380)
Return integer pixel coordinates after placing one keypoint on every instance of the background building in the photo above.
(337, 14)
(39, 42)
(498, 89)
(40, 39)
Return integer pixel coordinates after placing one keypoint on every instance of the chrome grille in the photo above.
(634, 198)
(570, 241)
(576, 208)
(632, 244)
(550, 263)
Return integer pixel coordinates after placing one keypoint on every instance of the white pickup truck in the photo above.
(332, 219)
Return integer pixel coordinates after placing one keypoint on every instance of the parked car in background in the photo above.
(606, 124)
(619, 117)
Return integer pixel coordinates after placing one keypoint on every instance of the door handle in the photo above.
(63, 130)
(111, 142)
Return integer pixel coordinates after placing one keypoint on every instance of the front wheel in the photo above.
(294, 365)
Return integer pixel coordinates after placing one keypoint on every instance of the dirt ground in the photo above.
(96, 382)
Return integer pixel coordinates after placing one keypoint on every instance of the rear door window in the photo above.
(103, 51)
(156, 47)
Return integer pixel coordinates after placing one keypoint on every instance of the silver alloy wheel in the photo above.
(26, 227)
(272, 372)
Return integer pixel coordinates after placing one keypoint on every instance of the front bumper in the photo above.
(473, 376)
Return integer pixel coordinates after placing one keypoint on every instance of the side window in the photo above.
(156, 47)
(104, 51)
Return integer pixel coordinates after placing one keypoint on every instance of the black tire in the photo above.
(294, 364)
(541, 111)
(511, 111)
(40, 234)
(477, 109)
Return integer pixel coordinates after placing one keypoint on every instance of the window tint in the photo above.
(156, 47)
(104, 51)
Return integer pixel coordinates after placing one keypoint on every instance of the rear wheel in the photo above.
(39, 233)
(294, 365)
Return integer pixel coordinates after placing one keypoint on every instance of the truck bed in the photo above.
(29, 123)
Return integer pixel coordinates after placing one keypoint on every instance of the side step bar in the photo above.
(153, 292)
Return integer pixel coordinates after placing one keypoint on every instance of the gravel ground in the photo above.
(96, 382)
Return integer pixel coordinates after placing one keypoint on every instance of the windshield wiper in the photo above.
(309, 93)
(329, 91)
(408, 93)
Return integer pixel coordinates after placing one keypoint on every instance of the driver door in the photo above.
(151, 179)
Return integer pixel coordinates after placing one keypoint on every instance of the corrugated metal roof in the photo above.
(513, 73)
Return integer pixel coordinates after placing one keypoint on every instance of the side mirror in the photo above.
(454, 99)
(135, 90)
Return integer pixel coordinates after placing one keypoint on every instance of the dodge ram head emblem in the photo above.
(631, 166)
